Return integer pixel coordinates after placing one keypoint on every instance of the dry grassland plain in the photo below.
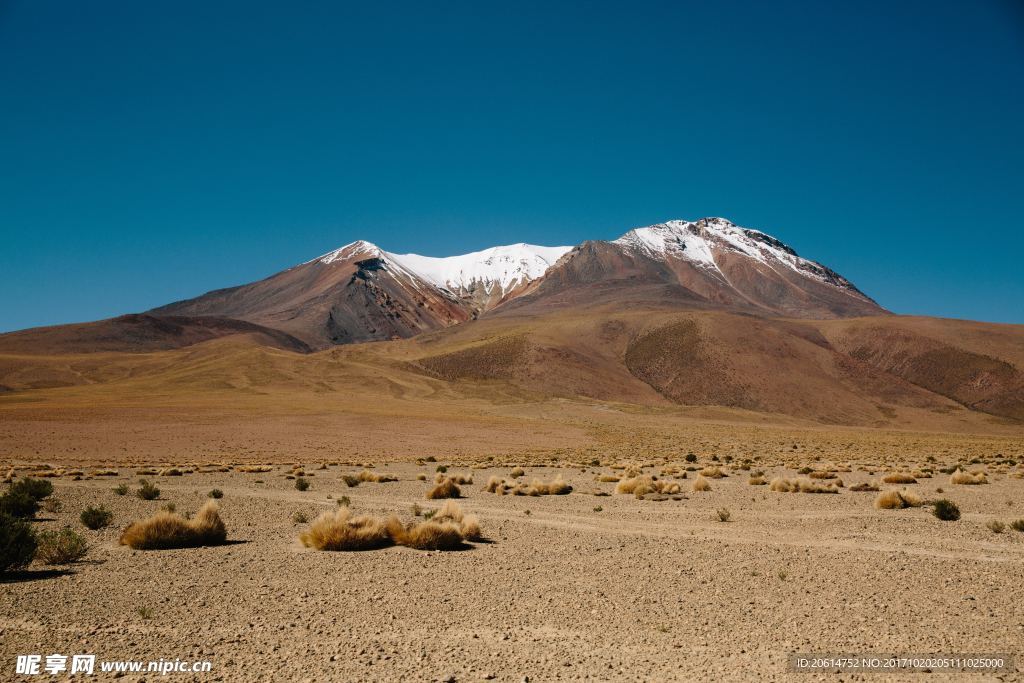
(677, 583)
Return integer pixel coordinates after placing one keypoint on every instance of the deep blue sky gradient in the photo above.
(151, 151)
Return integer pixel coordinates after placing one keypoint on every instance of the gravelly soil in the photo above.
(640, 590)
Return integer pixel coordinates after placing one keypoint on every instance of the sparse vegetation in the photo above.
(995, 526)
(300, 517)
(723, 514)
(61, 547)
(302, 484)
(216, 494)
(517, 472)
(121, 489)
(701, 484)
(445, 529)
(96, 518)
(166, 530)
(1017, 525)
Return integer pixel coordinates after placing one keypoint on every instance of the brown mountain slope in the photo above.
(767, 369)
(352, 297)
(705, 264)
(140, 333)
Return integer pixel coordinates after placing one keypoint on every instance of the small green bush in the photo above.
(216, 493)
(121, 489)
(96, 517)
(61, 547)
(690, 457)
(301, 484)
(441, 468)
(17, 543)
(18, 504)
(946, 510)
(350, 481)
(147, 491)
(36, 488)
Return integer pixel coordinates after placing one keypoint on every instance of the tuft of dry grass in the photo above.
(469, 525)
(899, 478)
(495, 485)
(897, 500)
(701, 484)
(607, 478)
(374, 477)
(864, 486)
(250, 469)
(517, 472)
(712, 473)
(642, 485)
(556, 487)
(967, 478)
(446, 488)
(801, 485)
(757, 480)
(166, 530)
(430, 535)
(340, 530)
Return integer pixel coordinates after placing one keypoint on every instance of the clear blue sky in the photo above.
(151, 151)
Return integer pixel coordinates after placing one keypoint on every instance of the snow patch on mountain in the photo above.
(697, 242)
(504, 267)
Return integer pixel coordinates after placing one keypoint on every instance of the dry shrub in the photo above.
(104, 473)
(822, 475)
(968, 479)
(801, 485)
(757, 480)
(712, 473)
(170, 472)
(897, 500)
(469, 525)
(609, 478)
(864, 486)
(495, 485)
(253, 469)
(147, 472)
(642, 485)
(517, 472)
(166, 530)
(899, 478)
(61, 547)
(701, 484)
(367, 475)
(339, 530)
(430, 535)
(556, 487)
(446, 488)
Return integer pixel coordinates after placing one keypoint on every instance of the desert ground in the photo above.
(590, 585)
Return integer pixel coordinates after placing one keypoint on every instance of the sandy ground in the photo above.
(638, 590)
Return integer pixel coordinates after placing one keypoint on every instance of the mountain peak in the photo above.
(349, 250)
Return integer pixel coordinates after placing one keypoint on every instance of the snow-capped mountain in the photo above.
(703, 242)
(360, 292)
(485, 276)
